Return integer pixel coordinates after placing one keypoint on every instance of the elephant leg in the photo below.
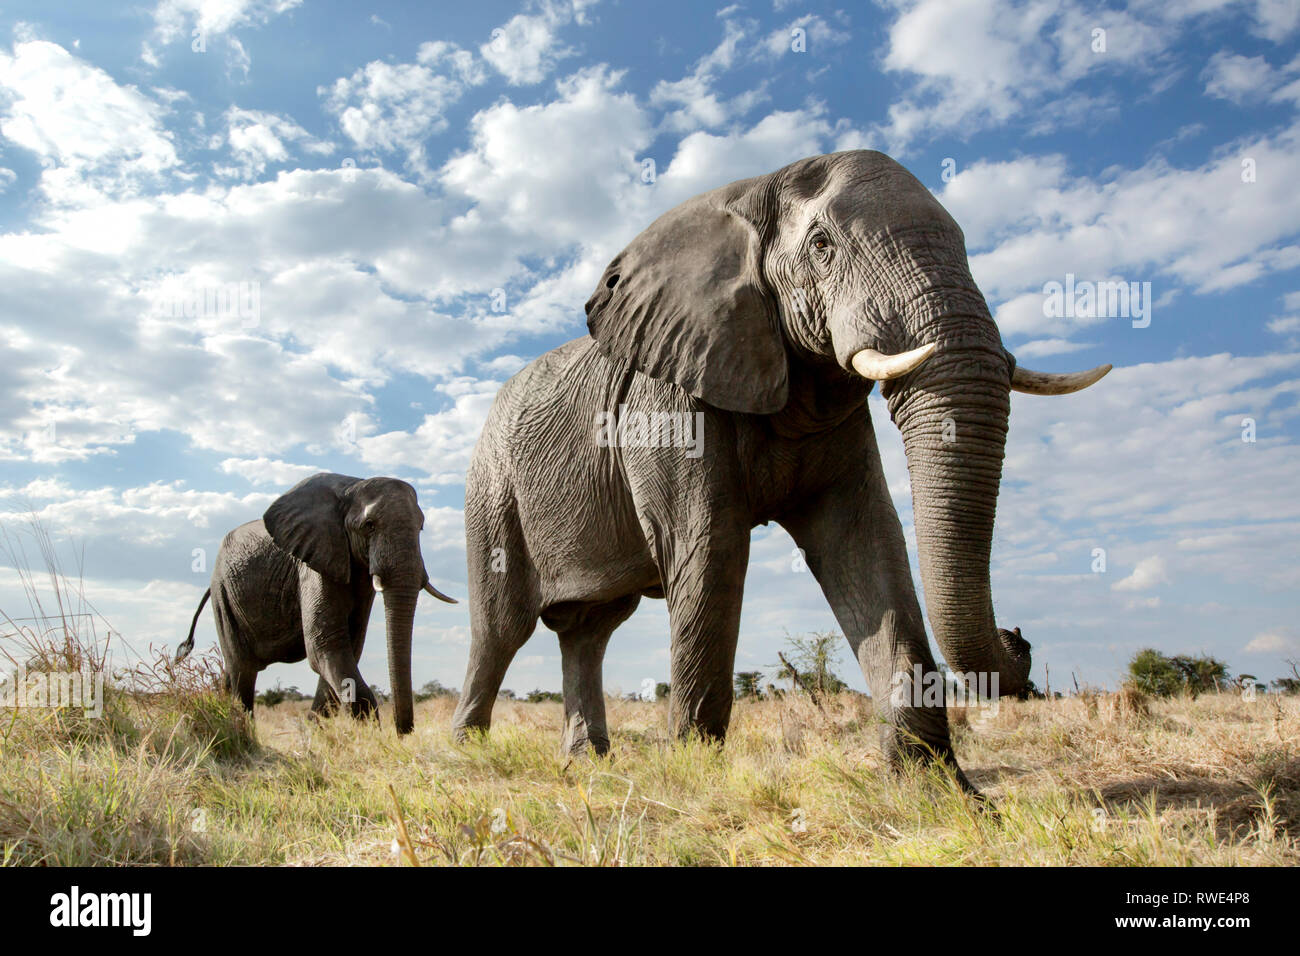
(337, 668)
(696, 519)
(853, 543)
(704, 580)
(326, 702)
(244, 684)
(504, 605)
(583, 639)
(329, 642)
(238, 673)
(496, 634)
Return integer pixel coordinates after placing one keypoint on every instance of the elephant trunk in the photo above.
(953, 419)
(399, 619)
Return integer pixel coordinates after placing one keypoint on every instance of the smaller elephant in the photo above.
(300, 582)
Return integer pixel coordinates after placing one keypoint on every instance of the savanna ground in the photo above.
(179, 776)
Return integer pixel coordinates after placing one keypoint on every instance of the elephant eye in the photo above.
(820, 243)
(368, 526)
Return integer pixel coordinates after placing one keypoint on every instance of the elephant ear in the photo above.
(307, 521)
(685, 302)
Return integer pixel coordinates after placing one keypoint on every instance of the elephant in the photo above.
(301, 580)
(758, 316)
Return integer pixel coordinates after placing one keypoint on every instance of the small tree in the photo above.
(1202, 673)
(747, 684)
(662, 690)
(812, 659)
(1154, 673)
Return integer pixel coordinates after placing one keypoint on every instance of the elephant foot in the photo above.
(319, 713)
(903, 748)
(464, 733)
(579, 739)
(365, 711)
(595, 746)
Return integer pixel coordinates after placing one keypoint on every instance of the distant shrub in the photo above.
(433, 690)
(278, 695)
(1161, 676)
(1291, 684)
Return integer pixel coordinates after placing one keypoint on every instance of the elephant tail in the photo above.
(183, 651)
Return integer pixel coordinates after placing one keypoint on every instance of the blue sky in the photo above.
(379, 175)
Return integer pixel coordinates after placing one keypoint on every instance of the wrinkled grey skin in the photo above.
(300, 582)
(746, 304)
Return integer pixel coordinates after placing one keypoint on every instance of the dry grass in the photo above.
(1094, 779)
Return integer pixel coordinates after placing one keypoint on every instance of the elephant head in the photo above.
(342, 527)
(848, 266)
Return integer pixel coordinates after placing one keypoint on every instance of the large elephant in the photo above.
(300, 582)
(763, 313)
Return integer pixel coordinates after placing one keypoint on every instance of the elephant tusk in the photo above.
(881, 367)
(374, 579)
(1054, 383)
(438, 594)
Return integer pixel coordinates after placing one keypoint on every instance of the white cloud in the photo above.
(175, 18)
(212, 19)
(1001, 59)
(815, 34)
(526, 48)
(148, 515)
(1275, 20)
(1229, 76)
(398, 106)
(1148, 573)
(1272, 642)
(558, 170)
(257, 138)
(701, 107)
(1142, 604)
(1039, 348)
(440, 446)
(83, 127)
(268, 471)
